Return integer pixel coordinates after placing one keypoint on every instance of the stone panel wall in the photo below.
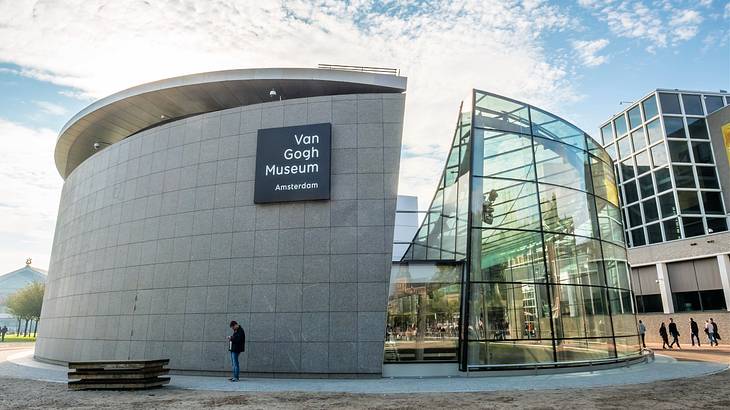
(159, 245)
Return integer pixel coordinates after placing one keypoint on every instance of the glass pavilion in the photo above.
(520, 260)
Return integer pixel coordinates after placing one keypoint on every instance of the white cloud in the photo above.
(658, 25)
(30, 190)
(445, 49)
(47, 107)
(588, 50)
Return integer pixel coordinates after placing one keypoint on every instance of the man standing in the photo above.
(695, 330)
(3, 330)
(674, 333)
(710, 331)
(236, 345)
(642, 333)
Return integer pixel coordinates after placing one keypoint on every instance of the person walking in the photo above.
(664, 335)
(710, 332)
(674, 333)
(714, 331)
(642, 333)
(695, 330)
(3, 330)
(236, 345)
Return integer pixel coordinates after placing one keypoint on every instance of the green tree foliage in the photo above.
(26, 304)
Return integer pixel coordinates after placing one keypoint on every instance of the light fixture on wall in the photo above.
(97, 145)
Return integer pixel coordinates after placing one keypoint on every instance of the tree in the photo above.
(26, 304)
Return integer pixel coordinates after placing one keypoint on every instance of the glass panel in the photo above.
(666, 204)
(663, 179)
(549, 126)
(713, 299)
(607, 133)
(702, 152)
(507, 155)
(635, 117)
(688, 202)
(671, 229)
(686, 301)
(642, 162)
(678, 151)
(683, 176)
(574, 260)
(562, 164)
(500, 114)
(630, 191)
(650, 211)
(674, 126)
(603, 181)
(654, 233)
(583, 312)
(634, 215)
(650, 109)
(692, 104)
(627, 169)
(508, 311)
(654, 131)
(423, 313)
(692, 226)
(716, 225)
(565, 210)
(617, 271)
(638, 139)
(637, 237)
(659, 155)
(569, 350)
(620, 124)
(510, 352)
(596, 150)
(609, 219)
(670, 103)
(509, 256)
(628, 346)
(509, 204)
(712, 202)
(622, 312)
(624, 147)
(713, 103)
(697, 128)
(611, 150)
(646, 186)
(707, 177)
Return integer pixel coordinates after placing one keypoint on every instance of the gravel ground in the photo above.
(709, 393)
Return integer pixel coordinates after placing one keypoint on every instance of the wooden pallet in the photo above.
(118, 374)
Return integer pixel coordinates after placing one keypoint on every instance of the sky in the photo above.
(578, 59)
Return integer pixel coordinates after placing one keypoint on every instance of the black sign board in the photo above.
(293, 163)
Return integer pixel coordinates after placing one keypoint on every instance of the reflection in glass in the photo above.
(508, 311)
(646, 186)
(667, 205)
(607, 133)
(583, 311)
(627, 169)
(620, 124)
(622, 311)
(609, 220)
(674, 126)
(509, 204)
(713, 103)
(659, 155)
(692, 104)
(617, 272)
(702, 152)
(654, 131)
(688, 202)
(507, 155)
(670, 103)
(509, 256)
(574, 260)
(423, 313)
(568, 211)
(654, 233)
(663, 179)
(692, 226)
(630, 191)
(604, 181)
(651, 213)
(562, 164)
(650, 109)
(683, 176)
(712, 201)
(671, 229)
(634, 117)
(716, 225)
(549, 126)
(637, 137)
(634, 215)
(642, 162)
(624, 147)
(506, 352)
(707, 177)
(500, 114)
(678, 151)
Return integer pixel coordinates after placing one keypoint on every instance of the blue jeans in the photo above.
(234, 363)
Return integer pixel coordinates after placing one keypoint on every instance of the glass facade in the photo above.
(532, 221)
(664, 161)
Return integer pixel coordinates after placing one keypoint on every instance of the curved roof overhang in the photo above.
(127, 112)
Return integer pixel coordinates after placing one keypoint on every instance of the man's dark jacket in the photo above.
(693, 326)
(238, 341)
(673, 329)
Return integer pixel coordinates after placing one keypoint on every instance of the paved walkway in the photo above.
(22, 365)
(705, 353)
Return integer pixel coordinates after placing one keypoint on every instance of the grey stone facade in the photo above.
(158, 246)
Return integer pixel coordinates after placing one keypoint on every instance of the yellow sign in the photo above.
(726, 137)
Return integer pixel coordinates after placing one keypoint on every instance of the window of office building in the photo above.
(607, 134)
(620, 124)
(671, 229)
(713, 103)
(707, 177)
(659, 155)
(683, 176)
(702, 152)
(646, 186)
(696, 285)
(663, 179)
(678, 151)
(697, 128)
(654, 131)
(670, 103)
(635, 117)
(650, 109)
(692, 104)
(674, 127)
(692, 226)
(667, 205)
